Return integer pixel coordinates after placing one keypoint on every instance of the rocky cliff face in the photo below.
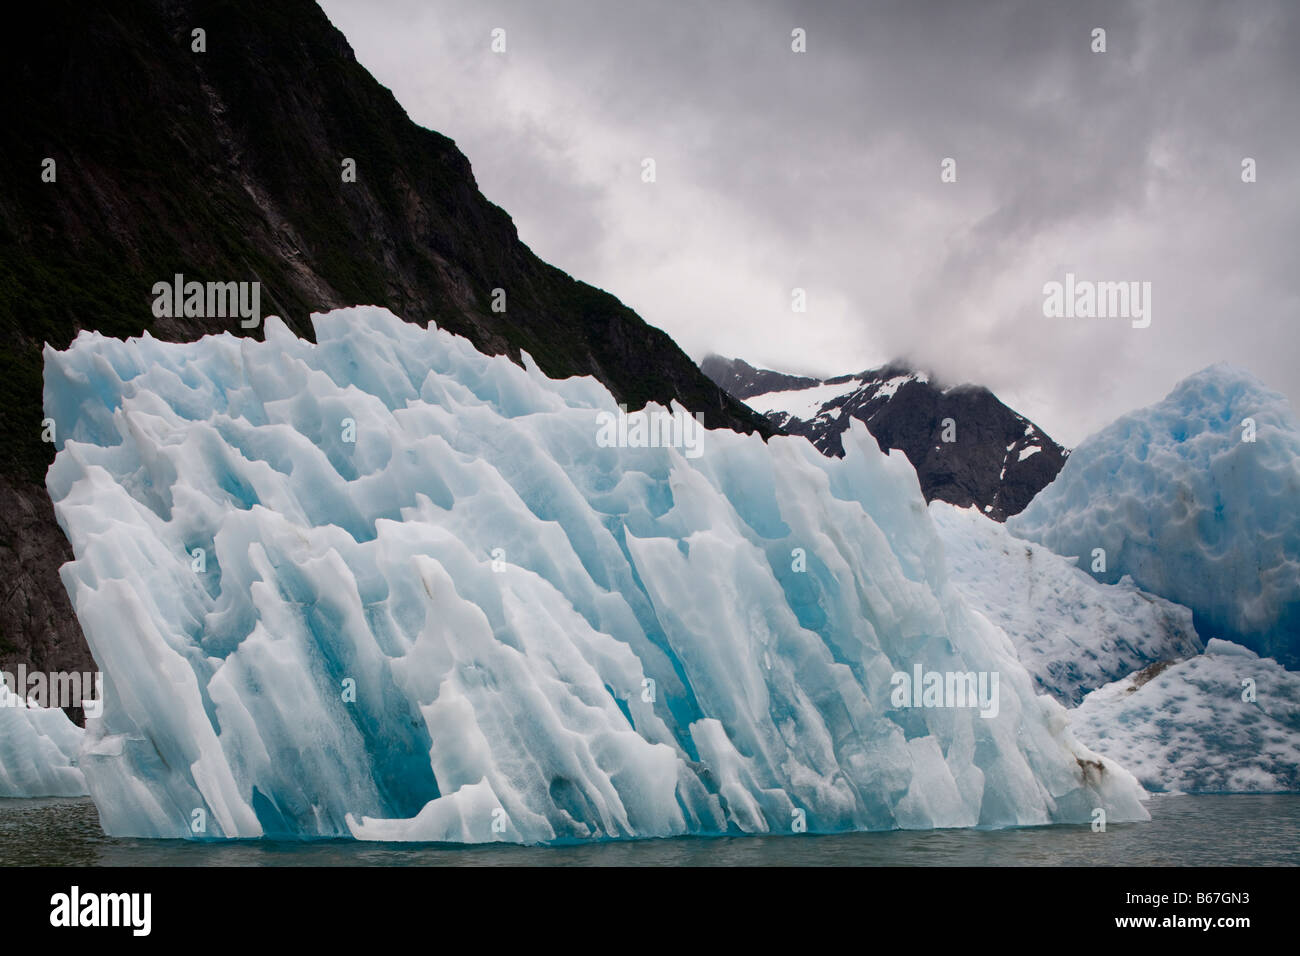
(227, 165)
(997, 460)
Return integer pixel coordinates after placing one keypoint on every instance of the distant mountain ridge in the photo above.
(997, 461)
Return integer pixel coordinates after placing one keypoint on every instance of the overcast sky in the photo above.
(821, 170)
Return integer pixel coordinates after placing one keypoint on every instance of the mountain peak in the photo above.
(968, 448)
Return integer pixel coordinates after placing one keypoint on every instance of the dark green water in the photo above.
(1210, 830)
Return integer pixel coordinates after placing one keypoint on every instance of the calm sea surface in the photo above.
(1209, 830)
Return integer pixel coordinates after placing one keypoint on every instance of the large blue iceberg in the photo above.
(386, 586)
(1197, 499)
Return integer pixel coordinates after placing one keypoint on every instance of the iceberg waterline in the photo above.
(475, 623)
(1223, 721)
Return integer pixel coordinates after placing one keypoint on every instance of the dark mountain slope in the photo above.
(225, 165)
(997, 461)
(741, 380)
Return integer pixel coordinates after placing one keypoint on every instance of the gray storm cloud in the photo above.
(821, 170)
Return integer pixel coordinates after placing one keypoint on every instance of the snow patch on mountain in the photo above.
(803, 403)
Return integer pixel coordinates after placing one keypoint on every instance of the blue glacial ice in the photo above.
(38, 750)
(1181, 500)
(476, 623)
